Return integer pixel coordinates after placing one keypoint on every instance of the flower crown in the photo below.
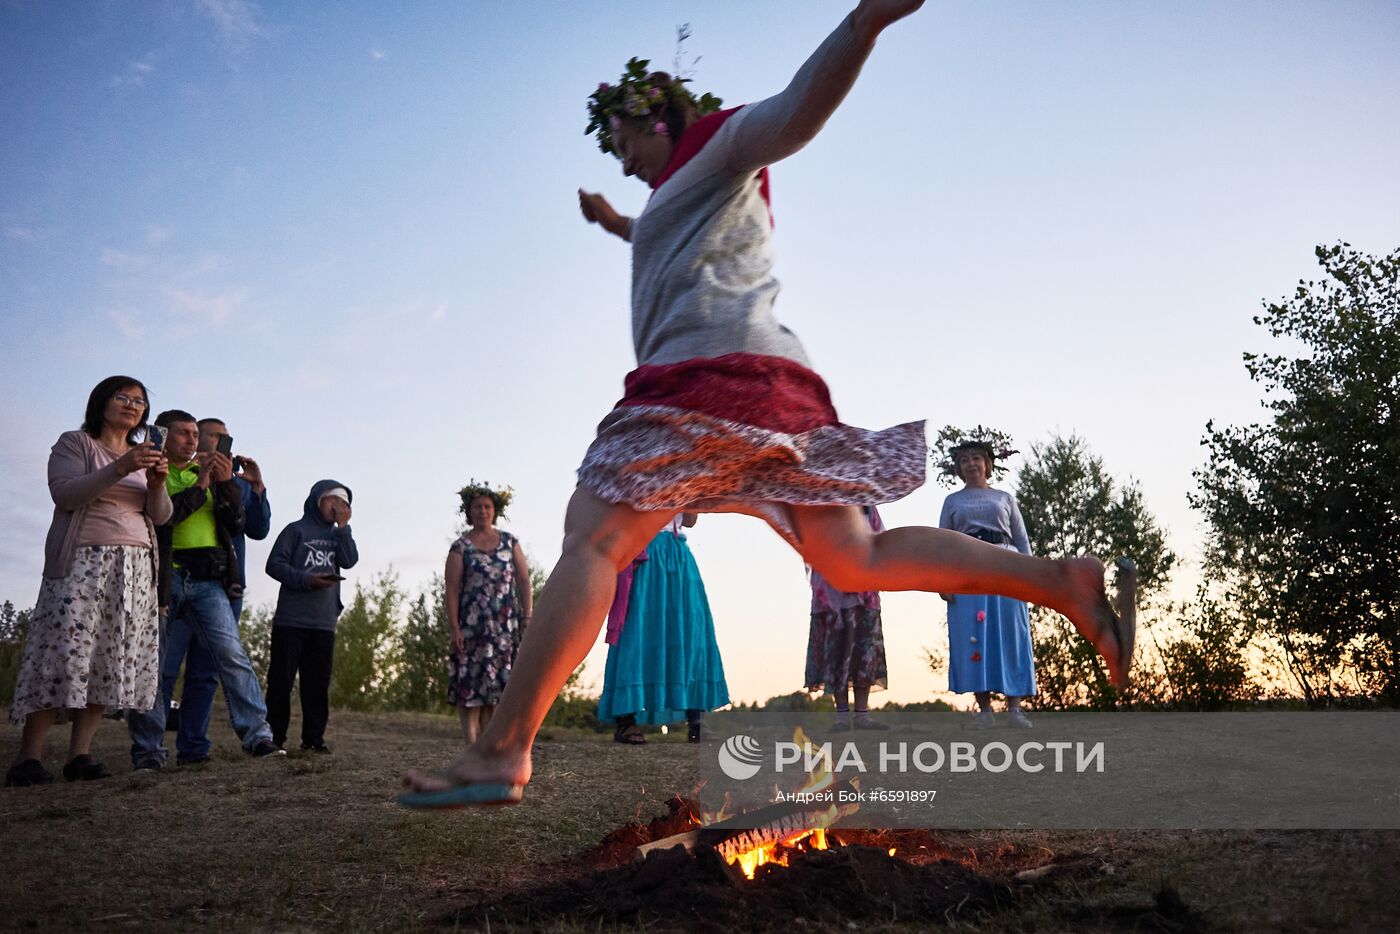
(952, 439)
(499, 498)
(642, 94)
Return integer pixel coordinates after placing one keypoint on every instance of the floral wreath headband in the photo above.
(499, 498)
(644, 95)
(995, 444)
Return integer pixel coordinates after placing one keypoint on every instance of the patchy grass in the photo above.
(316, 842)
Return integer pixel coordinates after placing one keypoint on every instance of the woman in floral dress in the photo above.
(488, 607)
(94, 637)
(846, 646)
(724, 412)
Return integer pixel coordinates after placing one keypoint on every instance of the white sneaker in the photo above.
(983, 720)
(1016, 719)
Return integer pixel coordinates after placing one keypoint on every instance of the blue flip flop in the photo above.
(475, 794)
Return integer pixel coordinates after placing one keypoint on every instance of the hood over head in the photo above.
(319, 489)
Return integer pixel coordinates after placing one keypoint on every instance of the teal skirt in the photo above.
(665, 661)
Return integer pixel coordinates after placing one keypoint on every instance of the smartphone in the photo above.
(238, 465)
(335, 577)
(225, 445)
(156, 436)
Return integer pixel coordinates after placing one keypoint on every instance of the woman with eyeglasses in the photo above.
(94, 636)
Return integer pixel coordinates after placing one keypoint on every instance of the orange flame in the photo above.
(810, 838)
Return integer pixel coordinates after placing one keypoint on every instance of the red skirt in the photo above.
(744, 433)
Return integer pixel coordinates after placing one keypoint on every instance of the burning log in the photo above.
(762, 831)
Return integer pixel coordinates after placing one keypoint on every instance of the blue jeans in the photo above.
(204, 606)
(197, 697)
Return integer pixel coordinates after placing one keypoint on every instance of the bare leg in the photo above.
(838, 542)
(485, 716)
(600, 538)
(36, 730)
(471, 725)
(85, 723)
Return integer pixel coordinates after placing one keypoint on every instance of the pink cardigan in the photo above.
(75, 481)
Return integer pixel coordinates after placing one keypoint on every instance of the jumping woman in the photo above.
(724, 413)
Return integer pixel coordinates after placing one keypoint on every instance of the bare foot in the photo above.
(473, 767)
(1111, 633)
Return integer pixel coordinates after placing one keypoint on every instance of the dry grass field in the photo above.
(312, 842)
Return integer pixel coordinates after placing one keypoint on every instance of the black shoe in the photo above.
(172, 720)
(26, 773)
(84, 768)
(318, 747)
(183, 761)
(699, 733)
(265, 748)
(148, 767)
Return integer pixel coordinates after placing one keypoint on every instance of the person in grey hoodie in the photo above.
(307, 559)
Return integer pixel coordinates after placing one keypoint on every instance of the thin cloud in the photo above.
(26, 234)
(128, 323)
(438, 315)
(378, 55)
(136, 72)
(238, 21)
(155, 233)
(116, 259)
(214, 308)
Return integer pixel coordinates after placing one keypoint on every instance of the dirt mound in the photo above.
(826, 890)
(617, 847)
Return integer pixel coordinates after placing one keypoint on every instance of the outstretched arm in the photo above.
(597, 210)
(775, 128)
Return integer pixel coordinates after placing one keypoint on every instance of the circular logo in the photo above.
(740, 757)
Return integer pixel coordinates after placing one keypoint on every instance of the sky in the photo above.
(351, 231)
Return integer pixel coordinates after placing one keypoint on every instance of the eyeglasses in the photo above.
(129, 401)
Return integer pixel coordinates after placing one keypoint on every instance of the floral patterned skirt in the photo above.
(477, 677)
(744, 433)
(94, 637)
(846, 647)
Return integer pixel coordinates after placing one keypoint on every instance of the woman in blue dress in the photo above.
(663, 663)
(989, 637)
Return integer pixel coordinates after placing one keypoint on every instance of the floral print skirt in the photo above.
(846, 647)
(94, 637)
(744, 433)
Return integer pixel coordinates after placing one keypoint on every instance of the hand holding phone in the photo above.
(156, 435)
(225, 445)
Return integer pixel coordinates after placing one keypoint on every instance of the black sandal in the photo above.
(26, 773)
(84, 768)
(630, 735)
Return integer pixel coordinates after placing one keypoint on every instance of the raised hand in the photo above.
(252, 473)
(156, 474)
(597, 210)
(872, 16)
(138, 457)
(219, 466)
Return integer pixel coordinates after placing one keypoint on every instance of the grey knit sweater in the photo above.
(702, 255)
(974, 509)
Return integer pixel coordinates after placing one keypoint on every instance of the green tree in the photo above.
(421, 682)
(255, 629)
(1072, 506)
(367, 644)
(1303, 510)
(14, 627)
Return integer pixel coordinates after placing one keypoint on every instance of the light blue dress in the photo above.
(989, 637)
(665, 660)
